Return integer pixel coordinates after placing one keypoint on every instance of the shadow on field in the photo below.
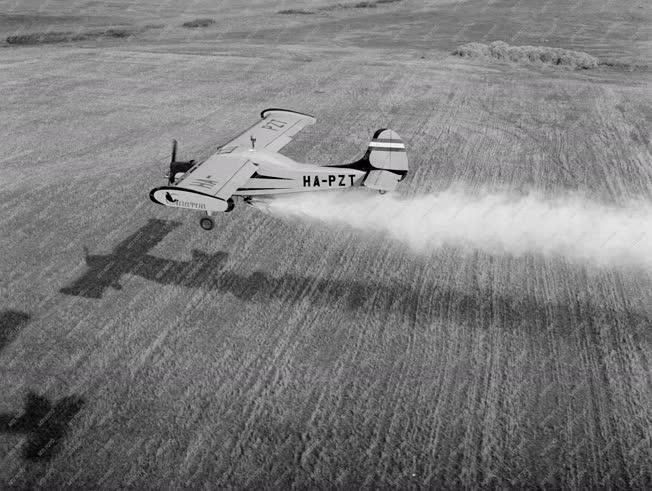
(206, 271)
(11, 322)
(129, 257)
(44, 424)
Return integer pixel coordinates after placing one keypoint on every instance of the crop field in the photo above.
(137, 350)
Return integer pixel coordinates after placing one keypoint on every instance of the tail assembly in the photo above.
(177, 167)
(385, 160)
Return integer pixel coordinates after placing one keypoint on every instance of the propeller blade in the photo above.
(174, 151)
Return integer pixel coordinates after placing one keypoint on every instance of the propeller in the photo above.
(174, 152)
(177, 166)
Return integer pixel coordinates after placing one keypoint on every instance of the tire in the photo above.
(206, 223)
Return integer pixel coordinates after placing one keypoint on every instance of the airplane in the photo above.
(250, 166)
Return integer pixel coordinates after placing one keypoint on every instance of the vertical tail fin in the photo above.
(387, 161)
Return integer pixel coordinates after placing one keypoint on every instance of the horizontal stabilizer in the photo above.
(382, 180)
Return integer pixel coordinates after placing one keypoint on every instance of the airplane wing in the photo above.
(220, 175)
(273, 132)
(209, 184)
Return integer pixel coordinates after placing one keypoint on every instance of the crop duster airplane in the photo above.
(250, 166)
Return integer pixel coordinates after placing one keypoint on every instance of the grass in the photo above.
(278, 353)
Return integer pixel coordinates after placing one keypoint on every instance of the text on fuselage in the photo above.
(337, 180)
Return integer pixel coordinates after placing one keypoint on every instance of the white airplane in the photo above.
(250, 166)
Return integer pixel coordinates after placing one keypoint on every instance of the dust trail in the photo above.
(496, 223)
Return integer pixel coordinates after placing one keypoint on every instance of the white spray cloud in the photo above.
(496, 223)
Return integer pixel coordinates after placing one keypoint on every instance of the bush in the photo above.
(199, 23)
(116, 33)
(295, 12)
(472, 50)
(41, 38)
(36, 38)
(500, 50)
(360, 5)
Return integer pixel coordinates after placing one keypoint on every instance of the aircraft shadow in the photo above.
(44, 423)
(127, 258)
(11, 322)
(206, 271)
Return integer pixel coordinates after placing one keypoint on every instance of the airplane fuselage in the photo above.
(277, 174)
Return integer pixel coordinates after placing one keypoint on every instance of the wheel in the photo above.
(207, 223)
(382, 191)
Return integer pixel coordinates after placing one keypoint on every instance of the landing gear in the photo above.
(382, 191)
(206, 223)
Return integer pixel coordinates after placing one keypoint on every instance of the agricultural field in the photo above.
(138, 350)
